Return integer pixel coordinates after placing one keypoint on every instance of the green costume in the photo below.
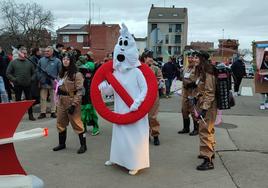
(89, 115)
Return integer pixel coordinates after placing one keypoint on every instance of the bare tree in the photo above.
(26, 23)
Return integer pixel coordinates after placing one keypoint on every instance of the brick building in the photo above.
(228, 49)
(206, 46)
(98, 38)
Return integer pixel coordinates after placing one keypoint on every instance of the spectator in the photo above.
(69, 49)
(48, 70)
(169, 71)
(4, 60)
(239, 71)
(35, 90)
(21, 72)
(76, 54)
(81, 61)
(58, 51)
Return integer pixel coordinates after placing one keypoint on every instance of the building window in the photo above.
(158, 50)
(177, 39)
(80, 38)
(160, 15)
(178, 28)
(65, 38)
(177, 50)
(169, 50)
(154, 26)
(167, 39)
(170, 28)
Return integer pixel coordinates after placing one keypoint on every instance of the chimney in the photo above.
(173, 6)
(152, 6)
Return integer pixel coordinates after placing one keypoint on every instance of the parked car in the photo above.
(249, 71)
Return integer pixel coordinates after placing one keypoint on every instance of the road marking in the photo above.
(247, 91)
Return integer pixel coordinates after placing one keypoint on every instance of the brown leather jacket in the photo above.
(74, 88)
(188, 77)
(206, 93)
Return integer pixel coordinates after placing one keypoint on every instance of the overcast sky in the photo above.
(245, 20)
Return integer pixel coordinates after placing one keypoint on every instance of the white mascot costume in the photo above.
(130, 143)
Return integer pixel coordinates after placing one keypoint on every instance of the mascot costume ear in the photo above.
(126, 55)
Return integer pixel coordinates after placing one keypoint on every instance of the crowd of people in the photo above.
(32, 77)
(63, 77)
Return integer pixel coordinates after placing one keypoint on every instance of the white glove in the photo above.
(135, 106)
(103, 85)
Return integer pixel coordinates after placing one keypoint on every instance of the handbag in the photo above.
(231, 99)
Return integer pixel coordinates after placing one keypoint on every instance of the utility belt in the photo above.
(65, 93)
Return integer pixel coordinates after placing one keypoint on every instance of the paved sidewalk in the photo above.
(172, 163)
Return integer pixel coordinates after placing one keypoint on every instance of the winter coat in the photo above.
(169, 70)
(238, 69)
(21, 72)
(3, 63)
(48, 70)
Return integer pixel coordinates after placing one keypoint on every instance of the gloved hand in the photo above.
(192, 100)
(71, 109)
(202, 114)
(134, 106)
(103, 85)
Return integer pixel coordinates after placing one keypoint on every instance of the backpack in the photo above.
(224, 96)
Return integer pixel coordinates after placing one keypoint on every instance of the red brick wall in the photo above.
(202, 45)
(102, 40)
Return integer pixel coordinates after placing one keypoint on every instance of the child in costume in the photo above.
(88, 113)
(130, 143)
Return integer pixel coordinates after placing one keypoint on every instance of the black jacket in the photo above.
(3, 63)
(169, 70)
(238, 69)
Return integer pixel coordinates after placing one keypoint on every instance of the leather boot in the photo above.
(83, 148)
(195, 131)
(186, 126)
(202, 157)
(31, 117)
(62, 140)
(42, 116)
(206, 165)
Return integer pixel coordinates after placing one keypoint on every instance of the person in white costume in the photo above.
(130, 143)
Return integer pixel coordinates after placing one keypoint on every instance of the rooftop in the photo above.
(81, 28)
(167, 13)
(73, 28)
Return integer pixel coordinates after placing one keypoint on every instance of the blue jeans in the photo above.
(168, 85)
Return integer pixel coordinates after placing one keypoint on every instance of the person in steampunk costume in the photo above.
(207, 109)
(188, 93)
(69, 92)
(89, 115)
(147, 57)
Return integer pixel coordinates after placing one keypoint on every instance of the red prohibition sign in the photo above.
(105, 72)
